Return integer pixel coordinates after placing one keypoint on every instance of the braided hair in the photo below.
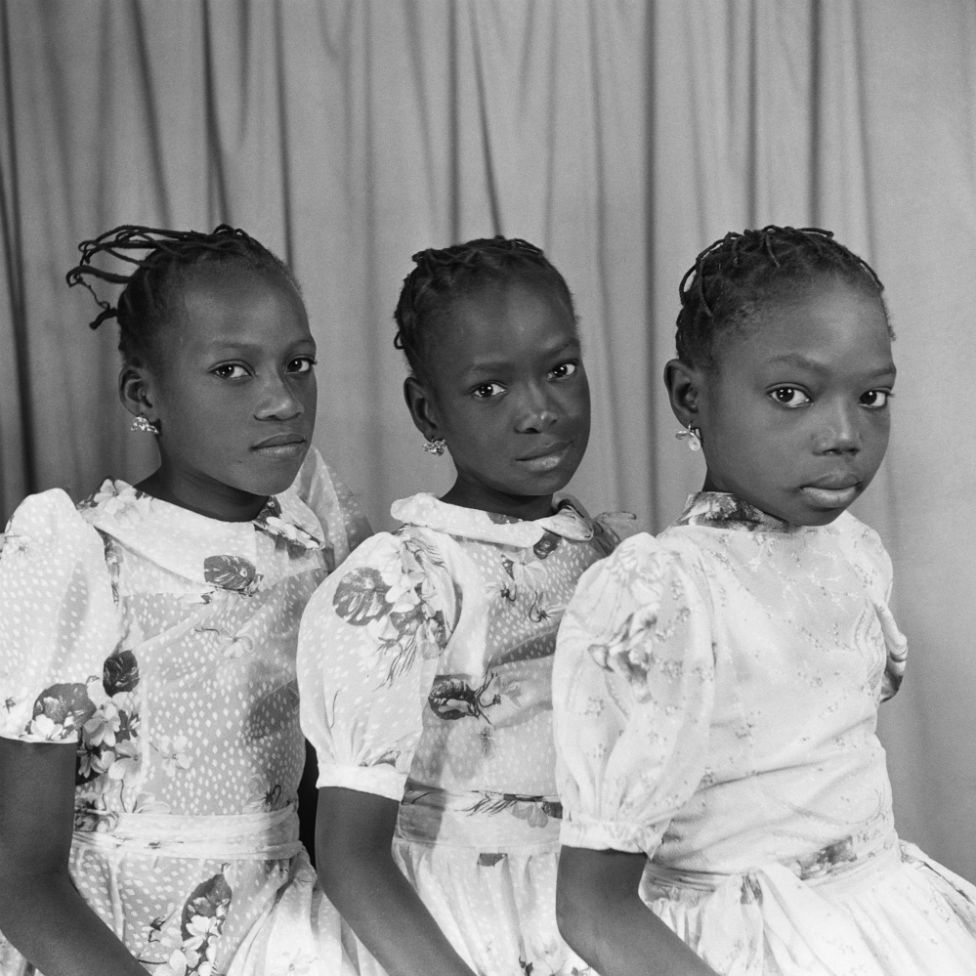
(730, 279)
(167, 259)
(442, 276)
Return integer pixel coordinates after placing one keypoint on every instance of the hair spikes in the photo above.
(160, 257)
(734, 274)
(442, 276)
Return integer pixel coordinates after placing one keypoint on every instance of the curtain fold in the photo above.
(623, 136)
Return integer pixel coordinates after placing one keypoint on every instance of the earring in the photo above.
(143, 426)
(693, 436)
(435, 446)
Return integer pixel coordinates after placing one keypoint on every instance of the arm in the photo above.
(41, 912)
(603, 918)
(353, 838)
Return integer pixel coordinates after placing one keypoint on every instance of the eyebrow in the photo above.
(802, 362)
(223, 345)
(492, 365)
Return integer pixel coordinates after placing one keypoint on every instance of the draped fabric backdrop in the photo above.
(620, 135)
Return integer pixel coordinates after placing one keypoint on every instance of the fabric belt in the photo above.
(241, 837)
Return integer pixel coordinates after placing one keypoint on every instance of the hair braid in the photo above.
(444, 275)
(162, 259)
(733, 276)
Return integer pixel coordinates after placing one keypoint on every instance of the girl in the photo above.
(147, 641)
(424, 663)
(716, 688)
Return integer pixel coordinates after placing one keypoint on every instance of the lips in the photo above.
(835, 482)
(832, 492)
(285, 446)
(280, 440)
(545, 452)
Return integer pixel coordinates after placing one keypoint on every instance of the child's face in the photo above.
(510, 396)
(795, 418)
(236, 394)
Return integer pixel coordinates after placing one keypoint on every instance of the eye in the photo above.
(487, 391)
(789, 396)
(230, 371)
(302, 364)
(564, 370)
(876, 399)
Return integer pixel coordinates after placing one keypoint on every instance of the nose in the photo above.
(538, 412)
(277, 400)
(840, 432)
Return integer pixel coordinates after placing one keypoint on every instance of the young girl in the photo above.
(424, 663)
(148, 636)
(716, 688)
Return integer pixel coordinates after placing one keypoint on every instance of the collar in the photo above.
(721, 510)
(426, 511)
(181, 541)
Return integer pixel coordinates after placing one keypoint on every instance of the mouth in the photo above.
(546, 459)
(832, 493)
(286, 445)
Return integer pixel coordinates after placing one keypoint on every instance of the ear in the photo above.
(135, 391)
(422, 407)
(684, 385)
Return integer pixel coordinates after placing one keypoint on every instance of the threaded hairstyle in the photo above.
(731, 279)
(164, 260)
(443, 276)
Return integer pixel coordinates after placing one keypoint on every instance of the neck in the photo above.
(216, 502)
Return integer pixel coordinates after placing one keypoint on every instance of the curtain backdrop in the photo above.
(620, 135)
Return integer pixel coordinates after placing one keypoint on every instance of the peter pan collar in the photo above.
(426, 511)
(721, 510)
(183, 541)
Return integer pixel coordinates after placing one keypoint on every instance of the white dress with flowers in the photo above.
(424, 666)
(715, 695)
(161, 644)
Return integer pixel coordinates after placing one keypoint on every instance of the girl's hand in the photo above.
(353, 852)
(41, 912)
(603, 919)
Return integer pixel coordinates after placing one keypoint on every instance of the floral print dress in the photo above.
(424, 669)
(715, 695)
(160, 645)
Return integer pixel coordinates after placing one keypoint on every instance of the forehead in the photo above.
(502, 316)
(238, 303)
(835, 325)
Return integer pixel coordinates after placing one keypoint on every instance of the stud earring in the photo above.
(693, 436)
(435, 446)
(143, 426)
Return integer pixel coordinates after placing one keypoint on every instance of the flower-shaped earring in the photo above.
(143, 426)
(435, 446)
(693, 436)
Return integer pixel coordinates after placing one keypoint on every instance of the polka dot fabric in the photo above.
(160, 644)
(424, 668)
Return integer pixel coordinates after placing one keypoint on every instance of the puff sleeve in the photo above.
(58, 620)
(368, 650)
(633, 687)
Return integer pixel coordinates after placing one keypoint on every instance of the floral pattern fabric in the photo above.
(715, 695)
(160, 645)
(424, 669)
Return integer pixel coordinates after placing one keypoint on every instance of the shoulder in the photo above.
(860, 543)
(637, 578)
(318, 487)
(47, 520)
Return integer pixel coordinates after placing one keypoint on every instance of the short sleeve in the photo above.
(633, 687)
(58, 620)
(368, 649)
(336, 507)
